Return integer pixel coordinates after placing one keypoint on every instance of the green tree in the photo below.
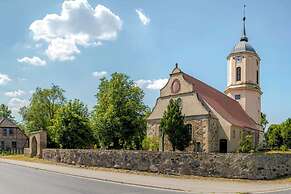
(172, 125)
(286, 133)
(118, 119)
(71, 127)
(274, 136)
(5, 112)
(263, 121)
(246, 144)
(38, 115)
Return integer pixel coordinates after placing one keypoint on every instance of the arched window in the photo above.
(189, 128)
(257, 77)
(238, 74)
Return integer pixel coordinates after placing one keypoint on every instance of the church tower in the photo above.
(243, 76)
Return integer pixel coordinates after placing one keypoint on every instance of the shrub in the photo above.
(246, 144)
(284, 148)
(150, 143)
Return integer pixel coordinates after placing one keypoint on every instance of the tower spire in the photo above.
(244, 35)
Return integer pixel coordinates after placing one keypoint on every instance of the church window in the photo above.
(237, 97)
(189, 128)
(257, 77)
(238, 74)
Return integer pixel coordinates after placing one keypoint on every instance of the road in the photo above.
(15, 179)
(22, 180)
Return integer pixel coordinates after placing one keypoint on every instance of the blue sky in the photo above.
(197, 34)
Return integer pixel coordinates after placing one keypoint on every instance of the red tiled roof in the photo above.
(227, 107)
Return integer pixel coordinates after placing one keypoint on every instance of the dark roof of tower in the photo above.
(243, 45)
(225, 106)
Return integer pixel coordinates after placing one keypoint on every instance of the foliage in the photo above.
(172, 124)
(246, 143)
(279, 135)
(263, 121)
(118, 119)
(284, 148)
(150, 143)
(71, 128)
(5, 112)
(273, 136)
(44, 104)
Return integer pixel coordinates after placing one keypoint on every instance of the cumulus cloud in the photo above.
(142, 17)
(99, 74)
(152, 84)
(4, 79)
(78, 24)
(15, 104)
(15, 93)
(35, 61)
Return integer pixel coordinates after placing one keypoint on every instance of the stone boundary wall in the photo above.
(229, 165)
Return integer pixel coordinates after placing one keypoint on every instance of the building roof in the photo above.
(227, 107)
(4, 122)
(243, 46)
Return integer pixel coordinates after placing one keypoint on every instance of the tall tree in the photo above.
(118, 119)
(71, 128)
(172, 124)
(5, 112)
(38, 115)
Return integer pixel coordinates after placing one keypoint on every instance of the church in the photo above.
(216, 121)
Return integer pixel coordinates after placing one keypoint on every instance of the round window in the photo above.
(176, 86)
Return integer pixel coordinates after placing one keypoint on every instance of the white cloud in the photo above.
(16, 103)
(142, 17)
(35, 61)
(62, 49)
(78, 24)
(100, 74)
(152, 84)
(15, 93)
(4, 79)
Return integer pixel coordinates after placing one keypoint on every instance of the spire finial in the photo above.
(176, 65)
(244, 35)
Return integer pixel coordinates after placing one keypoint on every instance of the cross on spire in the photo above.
(244, 35)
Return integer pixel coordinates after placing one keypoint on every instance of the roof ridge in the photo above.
(224, 105)
(211, 87)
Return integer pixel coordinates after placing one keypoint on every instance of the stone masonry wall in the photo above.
(230, 165)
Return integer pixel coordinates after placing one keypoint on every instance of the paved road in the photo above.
(15, 179)
(22, 180)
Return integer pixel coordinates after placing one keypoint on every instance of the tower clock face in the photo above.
(238, 59)
(176, 86)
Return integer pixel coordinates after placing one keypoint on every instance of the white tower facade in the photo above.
(243, 81)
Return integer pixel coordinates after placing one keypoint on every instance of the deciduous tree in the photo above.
(40, 112)
(118, 119)
(5, 112)
(71, 128)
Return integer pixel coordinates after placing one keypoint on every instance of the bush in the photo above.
(150, 143)
(246, 144)
(284, 148)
